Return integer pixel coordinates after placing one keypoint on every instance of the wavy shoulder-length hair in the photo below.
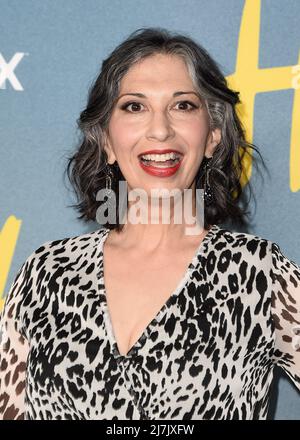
(86, 167)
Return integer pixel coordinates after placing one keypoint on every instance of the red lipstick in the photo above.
(160, 171)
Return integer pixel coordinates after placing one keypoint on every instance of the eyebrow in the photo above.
(141, 95)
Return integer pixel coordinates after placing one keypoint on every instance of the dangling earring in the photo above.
(208, 192)
(108, 182)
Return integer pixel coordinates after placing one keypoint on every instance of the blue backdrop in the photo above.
(51, 51)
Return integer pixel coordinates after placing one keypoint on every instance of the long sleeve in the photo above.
(14, 346)
(286, 313)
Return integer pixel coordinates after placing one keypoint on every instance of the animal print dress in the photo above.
(209, 353)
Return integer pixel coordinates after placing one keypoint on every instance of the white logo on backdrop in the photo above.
(7, 71)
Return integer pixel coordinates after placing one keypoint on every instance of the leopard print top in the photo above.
(209, 352)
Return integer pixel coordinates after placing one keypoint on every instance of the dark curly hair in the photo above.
(86, 168)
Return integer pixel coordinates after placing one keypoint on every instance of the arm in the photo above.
(14, 347)
(286, 313)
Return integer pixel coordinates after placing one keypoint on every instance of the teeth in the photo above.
(160, 157)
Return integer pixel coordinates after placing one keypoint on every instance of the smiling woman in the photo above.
(142, 320)
(163, 93)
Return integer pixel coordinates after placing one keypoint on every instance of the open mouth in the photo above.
(161, 160)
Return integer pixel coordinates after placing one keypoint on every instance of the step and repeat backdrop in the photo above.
(51, 51)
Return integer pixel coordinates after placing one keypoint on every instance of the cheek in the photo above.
(122, 137)
(195, 133)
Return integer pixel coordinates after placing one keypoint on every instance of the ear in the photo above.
(213, 139)
(111, 158)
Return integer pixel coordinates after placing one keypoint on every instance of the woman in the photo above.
(144, 320)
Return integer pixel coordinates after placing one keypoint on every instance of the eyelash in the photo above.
(127, 104)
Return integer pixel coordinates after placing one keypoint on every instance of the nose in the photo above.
(159, 127)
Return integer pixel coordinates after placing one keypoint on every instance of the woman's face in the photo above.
(159, 121)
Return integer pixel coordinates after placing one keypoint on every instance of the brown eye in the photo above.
(135, 106)
(187, 103)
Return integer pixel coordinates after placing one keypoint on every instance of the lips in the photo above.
(159, 152)
(161, 169)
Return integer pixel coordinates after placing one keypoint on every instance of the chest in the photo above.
(137, 288)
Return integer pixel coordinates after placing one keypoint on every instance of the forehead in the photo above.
(158, 69)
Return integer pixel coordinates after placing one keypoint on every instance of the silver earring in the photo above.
(108, 183)
(208, 192)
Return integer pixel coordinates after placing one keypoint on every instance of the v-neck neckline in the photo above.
(159, 315)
